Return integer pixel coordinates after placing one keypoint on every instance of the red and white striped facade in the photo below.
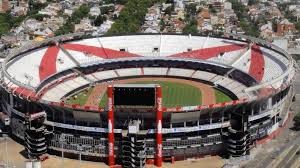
(26, 74)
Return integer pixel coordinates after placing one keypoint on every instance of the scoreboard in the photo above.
(134, 95)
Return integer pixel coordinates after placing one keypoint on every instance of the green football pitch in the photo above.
(174, 94)
(221, 97)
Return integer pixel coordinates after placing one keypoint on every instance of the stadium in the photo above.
(146, 98)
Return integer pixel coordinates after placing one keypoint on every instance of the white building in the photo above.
(68, 12)
(95, 11)
(104, 27)
(227, 6)
(51, 9)
(32, 25)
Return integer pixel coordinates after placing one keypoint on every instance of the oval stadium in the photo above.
(146, 98)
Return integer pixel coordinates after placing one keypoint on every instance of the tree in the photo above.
(4, 28)
(122, 2)
(253, 2)
(191, 9)
(168, 11)
(170, 1)
(132, 16)
(212, 9)
(99, 20)
(34, 5)
(297, 120)
(106, 9)
(249, 28)
(65, 29)
(297, 25)
(81, 12)
(39, 17)
(239, 8)
(191, 27)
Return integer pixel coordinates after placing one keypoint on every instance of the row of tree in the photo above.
(190, 19)
(132, 17)
(248, 26)
(297, 121)
(7, 21)
(78, 14)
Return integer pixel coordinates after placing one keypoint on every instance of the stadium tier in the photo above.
(38, 80)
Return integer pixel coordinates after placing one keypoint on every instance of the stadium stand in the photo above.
(36, 80)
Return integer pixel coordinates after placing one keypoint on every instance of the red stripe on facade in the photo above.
(207, 53)
(257, 66)
(98, 51)
(48, 63)
(24, 92)
(142, 71)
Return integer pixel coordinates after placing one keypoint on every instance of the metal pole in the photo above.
(159, 117)
(6, 151)
(62, 155)
(111, 136)
(62, 139)
(80, 149)
(79, 158)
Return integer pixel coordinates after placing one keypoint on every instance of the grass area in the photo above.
(103, 101)
(221, 97)
(81, 97)
(174, 94)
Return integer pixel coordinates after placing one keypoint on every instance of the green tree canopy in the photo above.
(38, 17)
(191, 27)
(132, 16)
(191, 9)
(99, 20)
(81, 12)
(297, 120)
(253, 2)
(65, 29)
(168, 10)
(297, 25)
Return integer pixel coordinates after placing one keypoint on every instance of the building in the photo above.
(227, 6)
(4, 6)
(52, 9)
(284, 27)
(84, 25)
(19, 11)
(95, 11)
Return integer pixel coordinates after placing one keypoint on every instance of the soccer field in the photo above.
(174, 94)
(221, 97)
(81, 97)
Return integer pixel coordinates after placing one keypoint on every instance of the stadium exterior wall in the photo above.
(204, 138)
(84, 130)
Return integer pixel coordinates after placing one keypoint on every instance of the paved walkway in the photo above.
(17, 160)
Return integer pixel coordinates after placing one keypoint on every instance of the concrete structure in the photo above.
(285, 27)
(4, 6)
(257, 75)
